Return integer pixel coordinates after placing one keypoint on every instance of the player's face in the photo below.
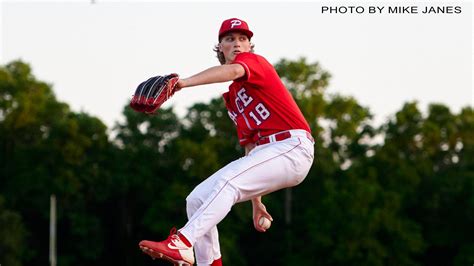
(232, 44)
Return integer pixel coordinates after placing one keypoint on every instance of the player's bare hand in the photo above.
(180, 84)
(259, 211)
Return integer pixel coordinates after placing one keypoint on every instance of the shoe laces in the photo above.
(173, 237)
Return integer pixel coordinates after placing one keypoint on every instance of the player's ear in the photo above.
(220, 47)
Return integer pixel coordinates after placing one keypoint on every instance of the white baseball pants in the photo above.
(267, 168)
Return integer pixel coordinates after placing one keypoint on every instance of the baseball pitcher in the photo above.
(279, 149)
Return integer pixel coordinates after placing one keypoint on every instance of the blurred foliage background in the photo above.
(401, 193)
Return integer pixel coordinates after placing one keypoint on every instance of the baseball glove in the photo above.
(151, 94)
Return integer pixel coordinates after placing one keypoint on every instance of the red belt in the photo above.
(278, 137)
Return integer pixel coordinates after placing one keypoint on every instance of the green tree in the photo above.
(47, 149)
(12, 234)
(341, 126)
(400, 194)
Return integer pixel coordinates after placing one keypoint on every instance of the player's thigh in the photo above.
(273, 167)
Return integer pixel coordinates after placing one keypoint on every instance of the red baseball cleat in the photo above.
(172, 249)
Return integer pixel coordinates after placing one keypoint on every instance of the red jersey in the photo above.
(259, 104)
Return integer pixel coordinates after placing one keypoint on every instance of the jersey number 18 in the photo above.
(262, 113)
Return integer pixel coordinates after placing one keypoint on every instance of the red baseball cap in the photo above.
(234, 24)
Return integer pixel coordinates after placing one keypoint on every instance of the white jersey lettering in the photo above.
(239, 104)
(246, 100)
(262, 112)
(233, 116)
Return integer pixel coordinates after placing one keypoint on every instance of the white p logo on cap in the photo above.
(235, 22)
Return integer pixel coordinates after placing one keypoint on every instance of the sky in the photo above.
(95, 52)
